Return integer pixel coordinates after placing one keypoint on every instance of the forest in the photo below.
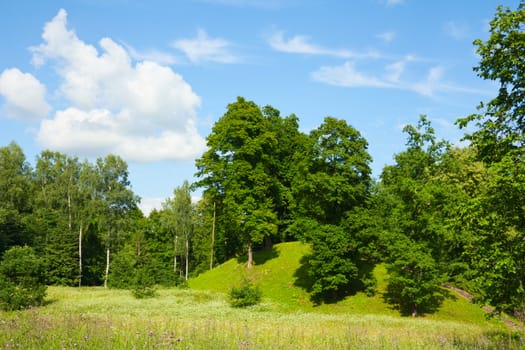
(439, 215)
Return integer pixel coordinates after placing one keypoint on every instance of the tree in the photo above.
(501, 125)
(496, 219)
(235, 172)
(56, 179)
(334, 175)
(332, 181)
(22, 279)
(179, 219)
(414, 198)
(15, 198)
(116, 200)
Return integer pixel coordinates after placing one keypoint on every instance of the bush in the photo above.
(21, 279)
(143, 284)
(245, 295)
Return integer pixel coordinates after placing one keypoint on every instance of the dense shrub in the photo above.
(245, 295)
(143, 283)
(21, 279)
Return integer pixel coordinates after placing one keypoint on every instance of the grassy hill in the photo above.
(280, 274)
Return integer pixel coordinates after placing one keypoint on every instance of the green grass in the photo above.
(96, 318)
(201, 318)
(279, 274)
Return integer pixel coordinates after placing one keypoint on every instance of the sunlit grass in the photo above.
(201, 317)
(96, 318)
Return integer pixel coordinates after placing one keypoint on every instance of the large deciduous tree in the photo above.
(15, 197)
(497, 218)
(415, 238)
(235, 172)
(501, 123)
(332, 182)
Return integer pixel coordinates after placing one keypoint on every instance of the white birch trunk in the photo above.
(187, 256)
(250, 256)
(107, 269)
(80, 256)
(212, 237)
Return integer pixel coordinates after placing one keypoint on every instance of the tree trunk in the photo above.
(212, 238)
(187, 257)
(175, 257)
(107, 269)
(80, 256)
(250, 256)
(414, 311)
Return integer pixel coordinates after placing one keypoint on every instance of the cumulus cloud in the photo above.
(301, 45)
(202, 48)
(142, 111)
(24, 95)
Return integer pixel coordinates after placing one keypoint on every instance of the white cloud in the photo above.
(24, 95)
(147, 205)
(142, 111)
(203, 48)
(301, 45)
(387, 37)
(431, 83)
(346, 75)
(394, 77)
(456, 30)
(264, 4)
(394, 2)
(153, 55)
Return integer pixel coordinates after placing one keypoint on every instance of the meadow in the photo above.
(202, 318)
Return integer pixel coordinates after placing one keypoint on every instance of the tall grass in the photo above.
(95, 318)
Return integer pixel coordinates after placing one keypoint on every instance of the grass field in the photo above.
(201, 318)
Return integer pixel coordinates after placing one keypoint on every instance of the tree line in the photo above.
(439, 214)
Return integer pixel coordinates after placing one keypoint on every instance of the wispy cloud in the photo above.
(456, 30)
(387, 37)
(393, 2)
(262, 4)
(346, 75)
(300, 44)
(153, 55)
(392, 76)
(203, 48)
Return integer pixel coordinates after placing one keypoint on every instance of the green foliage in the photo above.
(21, 279)
(245, 295)
(415, 281)
(501, 123)
(332, 264)
(235, 172)
(495, 219)
(143, 283)
(122, 269)
(333, 176)
(15, 194)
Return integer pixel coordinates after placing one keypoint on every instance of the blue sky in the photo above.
(147, 79)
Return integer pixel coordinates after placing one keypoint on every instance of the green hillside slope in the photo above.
(280, 275)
